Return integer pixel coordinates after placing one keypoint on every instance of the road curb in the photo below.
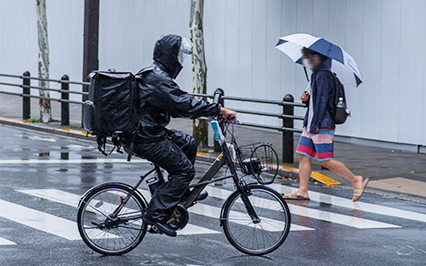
(44, 128)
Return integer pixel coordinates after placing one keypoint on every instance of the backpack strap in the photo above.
(131, 147)
(101, 140)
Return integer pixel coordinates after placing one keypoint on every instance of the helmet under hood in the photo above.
(170, 50)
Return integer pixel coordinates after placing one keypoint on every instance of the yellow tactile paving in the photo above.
(324, 179)
(315, 175)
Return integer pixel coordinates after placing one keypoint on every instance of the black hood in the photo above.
(166, 51)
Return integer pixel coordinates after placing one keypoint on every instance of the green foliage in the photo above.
(33, 120)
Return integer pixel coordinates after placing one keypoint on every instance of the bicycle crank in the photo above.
(179, 218)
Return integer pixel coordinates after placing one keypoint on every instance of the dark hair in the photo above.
(306, 52)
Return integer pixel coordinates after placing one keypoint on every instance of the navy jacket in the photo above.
(322, 83)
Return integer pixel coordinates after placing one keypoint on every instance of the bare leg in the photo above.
(341, 169)
(305, 170)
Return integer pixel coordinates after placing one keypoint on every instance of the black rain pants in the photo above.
(175, 154)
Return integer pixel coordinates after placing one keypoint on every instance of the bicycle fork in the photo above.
(245, 193)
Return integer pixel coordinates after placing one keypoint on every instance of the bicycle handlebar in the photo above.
(216, 97)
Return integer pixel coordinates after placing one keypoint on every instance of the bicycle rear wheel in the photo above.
(256, 237)
(105, 232)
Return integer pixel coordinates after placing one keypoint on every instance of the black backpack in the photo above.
(110, 110)
(339, 113)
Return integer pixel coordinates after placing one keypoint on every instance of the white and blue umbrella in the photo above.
(342, 63)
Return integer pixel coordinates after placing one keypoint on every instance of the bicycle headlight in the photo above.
(252, 165)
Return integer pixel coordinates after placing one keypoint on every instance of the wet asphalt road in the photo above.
(328, 230)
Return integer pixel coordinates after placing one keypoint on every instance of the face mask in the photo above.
(305, 62)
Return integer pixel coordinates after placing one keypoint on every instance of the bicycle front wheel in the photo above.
(107, 223)
(256, 236)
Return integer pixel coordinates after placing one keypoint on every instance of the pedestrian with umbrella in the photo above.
(317, 137)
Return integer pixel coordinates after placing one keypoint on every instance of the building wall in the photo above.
(385, 37)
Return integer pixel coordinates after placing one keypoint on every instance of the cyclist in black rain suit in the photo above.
(160, 99)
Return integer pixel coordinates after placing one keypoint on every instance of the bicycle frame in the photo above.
(208, 177)
(244, 207)
(223, 159)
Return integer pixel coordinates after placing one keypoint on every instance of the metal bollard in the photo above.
(65, 105)
(26, 100)
(217, 147)
(288, 137)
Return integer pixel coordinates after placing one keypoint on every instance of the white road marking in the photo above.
(72, 161)
(359, 206)
(317, 214)
(41, 138)
(39, 220)
(4, 242)
(67, 229)
(214, 212)
(73, 200)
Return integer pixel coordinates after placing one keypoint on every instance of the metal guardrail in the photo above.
(287, 116)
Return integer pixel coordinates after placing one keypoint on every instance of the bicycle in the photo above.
(255, 218)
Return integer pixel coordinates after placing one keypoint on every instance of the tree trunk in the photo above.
(199, 68)
(43, 61)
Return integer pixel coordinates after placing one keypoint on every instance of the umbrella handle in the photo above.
(308, 87)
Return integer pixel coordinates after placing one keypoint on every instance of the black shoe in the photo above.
(203, 195)
(160, 227)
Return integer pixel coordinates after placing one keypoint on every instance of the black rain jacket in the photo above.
(160, 98)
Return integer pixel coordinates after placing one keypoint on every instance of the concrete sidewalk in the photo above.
(392, 172)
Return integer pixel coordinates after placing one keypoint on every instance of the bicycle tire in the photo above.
(256, 238)
(104, 235)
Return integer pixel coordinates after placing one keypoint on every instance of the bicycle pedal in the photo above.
(173, 226)
(154, 230)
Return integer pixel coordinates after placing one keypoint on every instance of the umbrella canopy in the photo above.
(342, 63)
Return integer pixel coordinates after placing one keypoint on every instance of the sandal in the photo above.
(358, 191)
(293, 196)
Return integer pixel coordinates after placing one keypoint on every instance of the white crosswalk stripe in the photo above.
(73, 199)
(360, 206)
(73, 161)
(320, 215)
(4, 241)
(214, 212)
(68, 229)
(200, 209)
(39, 220)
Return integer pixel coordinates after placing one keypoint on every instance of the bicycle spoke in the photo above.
(261, 236)
(107, 235)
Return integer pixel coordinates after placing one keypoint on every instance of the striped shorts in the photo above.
(320, 144)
